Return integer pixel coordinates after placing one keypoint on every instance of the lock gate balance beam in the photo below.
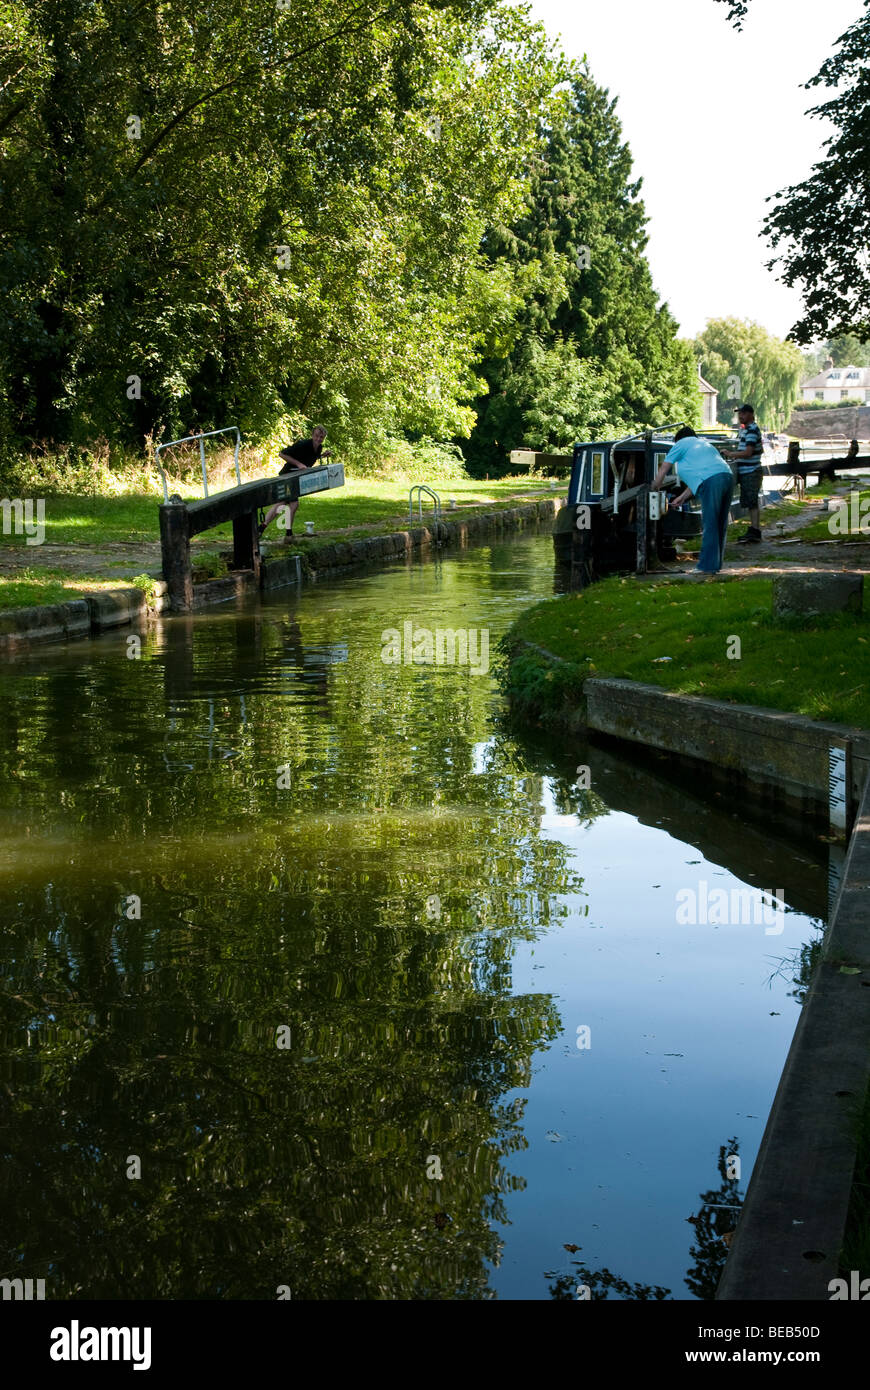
(179, 521)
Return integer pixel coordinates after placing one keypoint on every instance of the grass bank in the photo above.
(111, 537)
(32, 587)
(130, 518)
(679, 636)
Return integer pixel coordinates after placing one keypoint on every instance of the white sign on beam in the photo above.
(318, 479)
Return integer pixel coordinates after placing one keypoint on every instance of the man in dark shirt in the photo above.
(750, 452)
(305, 453)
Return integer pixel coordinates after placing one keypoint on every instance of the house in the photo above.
(710, 397)
(836, 384)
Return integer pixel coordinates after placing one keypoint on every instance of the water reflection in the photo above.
(268, 906)
(714, 1223)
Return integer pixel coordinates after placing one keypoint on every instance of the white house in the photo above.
(710, 398)
(835, 384)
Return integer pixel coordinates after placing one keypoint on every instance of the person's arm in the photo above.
(683, 497)
(286, 455)
(664, 472)
(750, 448)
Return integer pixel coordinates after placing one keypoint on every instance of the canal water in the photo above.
(321, 981)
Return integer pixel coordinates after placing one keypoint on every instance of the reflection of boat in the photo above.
(612, 521)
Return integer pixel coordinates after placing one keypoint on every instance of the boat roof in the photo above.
(635, 441)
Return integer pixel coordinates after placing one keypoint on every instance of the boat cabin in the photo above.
(612, 521)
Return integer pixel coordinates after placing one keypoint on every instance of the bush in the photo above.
(829, 405)
(208, 565)
(424, 461)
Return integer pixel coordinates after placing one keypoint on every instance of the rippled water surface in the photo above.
(299, 948)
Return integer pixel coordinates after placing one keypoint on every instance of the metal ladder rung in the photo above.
(420, 488)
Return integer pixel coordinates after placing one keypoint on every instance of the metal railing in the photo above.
(420, 488)
(189, 439)
(629, 438)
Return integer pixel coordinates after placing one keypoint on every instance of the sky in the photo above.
(696, 101)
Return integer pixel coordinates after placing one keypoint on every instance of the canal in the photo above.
(321, 981)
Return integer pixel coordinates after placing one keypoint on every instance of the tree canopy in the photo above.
(260, 215)
(821, 227)
(746, 363)
(845, 350)
(595, 351)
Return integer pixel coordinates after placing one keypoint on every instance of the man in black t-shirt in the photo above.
(305, 453)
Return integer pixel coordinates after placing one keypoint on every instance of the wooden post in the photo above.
(175, 544)
(642, 506)
(246, 544)
(794, 455)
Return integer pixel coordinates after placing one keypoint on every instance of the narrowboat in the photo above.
(612, 521)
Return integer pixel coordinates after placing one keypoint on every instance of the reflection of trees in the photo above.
(801, 966)
(310, 909)
(600, 1282)
(714, 1223)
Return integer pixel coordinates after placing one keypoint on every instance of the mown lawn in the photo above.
(679, 635)
(33, 587)
(848, 523)
(371, 507)
(133, 517)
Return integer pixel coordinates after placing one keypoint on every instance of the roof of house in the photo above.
(706, 388)
(842, 377)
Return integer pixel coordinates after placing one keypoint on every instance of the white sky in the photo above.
(695, 99)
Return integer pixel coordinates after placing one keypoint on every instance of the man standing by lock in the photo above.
(749, 456)
(305, 453)
(710, 480)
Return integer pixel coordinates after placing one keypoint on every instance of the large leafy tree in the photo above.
(594, 349)
(821, 227)
(847, 350)
(259, 212)
(746, 363)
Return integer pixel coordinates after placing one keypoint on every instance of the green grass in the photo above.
(820, 530)
(133, 517)
(363, 507)
(621, 627)
(32, 587)
(777, 511)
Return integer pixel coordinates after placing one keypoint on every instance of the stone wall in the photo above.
(853, 422)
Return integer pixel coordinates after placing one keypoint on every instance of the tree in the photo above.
(746, 363)
(847, 350)
(259, 215)
(594, 351)
(822, 226)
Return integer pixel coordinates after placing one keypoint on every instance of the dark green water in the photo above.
(425, 912)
